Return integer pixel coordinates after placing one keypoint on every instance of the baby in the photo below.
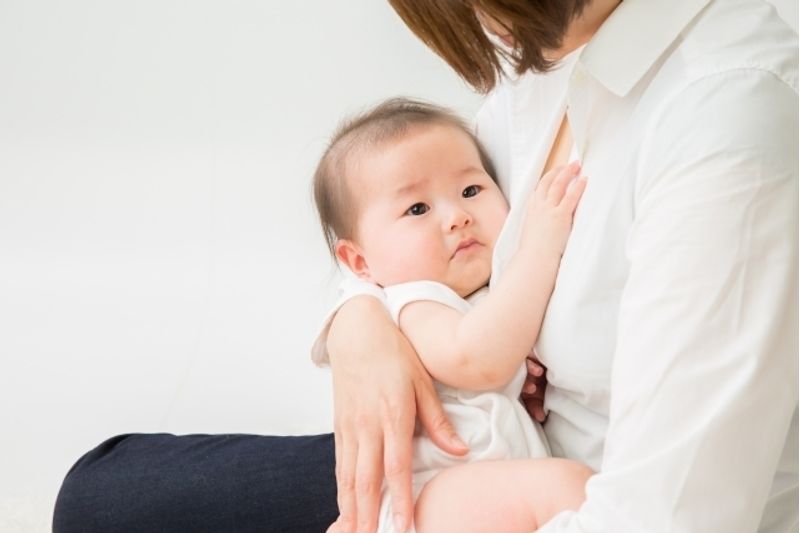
(408, 202)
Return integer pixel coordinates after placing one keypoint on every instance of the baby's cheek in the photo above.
(403, 256)
(418, 265)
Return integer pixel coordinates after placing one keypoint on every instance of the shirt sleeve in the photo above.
(350, 286)
(704, 376)
(400, 295)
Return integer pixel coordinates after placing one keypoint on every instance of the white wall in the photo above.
(160, 264)
(161, 268)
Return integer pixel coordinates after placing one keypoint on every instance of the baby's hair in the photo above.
(386, 121)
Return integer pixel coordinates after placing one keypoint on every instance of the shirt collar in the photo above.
(633, 37)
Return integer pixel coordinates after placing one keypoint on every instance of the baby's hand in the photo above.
(551, 206)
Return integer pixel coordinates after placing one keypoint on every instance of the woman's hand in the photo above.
(534, 388)
(379, 387)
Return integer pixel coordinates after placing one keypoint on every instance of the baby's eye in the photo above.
(417, 209)
(471, 191)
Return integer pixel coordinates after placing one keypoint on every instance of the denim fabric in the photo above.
(200, 483)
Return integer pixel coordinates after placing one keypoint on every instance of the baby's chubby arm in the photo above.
(482, 349)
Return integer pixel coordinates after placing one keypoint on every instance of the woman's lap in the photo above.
(165, 483)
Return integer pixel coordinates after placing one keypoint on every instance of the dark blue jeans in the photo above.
(200, 483)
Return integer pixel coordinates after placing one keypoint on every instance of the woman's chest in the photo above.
(578, 335)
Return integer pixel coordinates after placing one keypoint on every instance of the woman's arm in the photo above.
(379, 388)
(482, 349)
(704, 377)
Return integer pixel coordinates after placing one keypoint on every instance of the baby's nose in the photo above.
(459, 219)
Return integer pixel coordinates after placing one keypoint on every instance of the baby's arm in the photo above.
(483, 348)
(514, 495)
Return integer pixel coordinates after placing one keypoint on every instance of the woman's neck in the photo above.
(583, 28)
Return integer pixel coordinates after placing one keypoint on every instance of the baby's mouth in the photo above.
(466, 245)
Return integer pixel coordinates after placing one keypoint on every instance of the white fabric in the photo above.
(400, 295)
(678, 287)
(494, 424)
(671, 336)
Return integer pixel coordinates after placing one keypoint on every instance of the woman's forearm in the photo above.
(357, 315)
(380, 388)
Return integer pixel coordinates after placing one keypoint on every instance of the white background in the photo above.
(161, 268)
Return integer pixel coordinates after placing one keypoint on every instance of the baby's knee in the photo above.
(567, 484)
(475, 497)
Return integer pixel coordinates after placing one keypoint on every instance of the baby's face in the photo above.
(427, 209)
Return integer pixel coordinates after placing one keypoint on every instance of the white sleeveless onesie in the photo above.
(494, 424)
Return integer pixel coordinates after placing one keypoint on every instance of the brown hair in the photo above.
(452, 30)
(385, 122)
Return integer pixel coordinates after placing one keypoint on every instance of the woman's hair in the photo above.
(452, 30)
(386, 122)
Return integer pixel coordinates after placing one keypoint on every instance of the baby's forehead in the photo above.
(413, 161)
(377, 137)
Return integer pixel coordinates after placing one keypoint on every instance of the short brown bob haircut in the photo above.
(388, 121)
(452, 30)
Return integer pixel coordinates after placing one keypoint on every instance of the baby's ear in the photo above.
(351, 255)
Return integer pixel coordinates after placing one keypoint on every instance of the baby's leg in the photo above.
(509, 496)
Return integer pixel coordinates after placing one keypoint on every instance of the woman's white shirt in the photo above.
(671, 335)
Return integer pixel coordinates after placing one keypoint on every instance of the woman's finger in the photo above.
(333, 528)
(534, 369)
(535, 409)
(337, 448)
(534, 404)
(529, 387)
(397, 460)
(434, 420)
(369, 479)
(346, 451)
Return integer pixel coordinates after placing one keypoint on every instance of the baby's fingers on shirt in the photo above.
(573, 194)
(565, 176)
(546, 181)
(435, 421)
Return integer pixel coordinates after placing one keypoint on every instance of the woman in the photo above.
(673, 321)
(670, 337)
